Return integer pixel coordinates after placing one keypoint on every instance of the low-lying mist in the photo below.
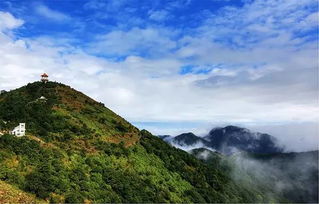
(293, 176)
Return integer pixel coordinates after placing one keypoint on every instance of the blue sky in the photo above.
(172, 66)
(93, 17)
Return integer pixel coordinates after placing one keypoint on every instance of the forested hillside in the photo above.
(77, 150)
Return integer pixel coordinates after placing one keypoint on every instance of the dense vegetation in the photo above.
(64, 115)
(11, 194)
(76, 150)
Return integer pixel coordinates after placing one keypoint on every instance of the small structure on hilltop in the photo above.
(19, 131)
(44, 78)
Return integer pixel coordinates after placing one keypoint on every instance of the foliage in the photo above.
(209, 180)
(11, 194)
(76, 150)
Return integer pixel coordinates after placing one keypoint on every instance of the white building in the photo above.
(42, 99)
(19, 131)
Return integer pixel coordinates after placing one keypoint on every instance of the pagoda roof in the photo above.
(44, 75)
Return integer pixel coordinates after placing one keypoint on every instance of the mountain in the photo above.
(227, 140)
(232, 139)
(64, 115)
(76, 150)
(256, 160)
(185, 141)
(164, 137)
(188, 139)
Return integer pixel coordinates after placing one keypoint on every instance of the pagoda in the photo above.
(44, 78)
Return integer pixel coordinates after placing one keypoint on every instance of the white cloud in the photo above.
(51, 14)
(7, 21)
(109, 6)
(260, 20)
(159, 15)
(135, 41)
(297, 136)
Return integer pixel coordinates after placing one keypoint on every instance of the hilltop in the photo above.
(64, 114)
(77, 150)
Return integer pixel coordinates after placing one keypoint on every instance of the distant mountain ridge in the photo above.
(227, 140)
(186, 141)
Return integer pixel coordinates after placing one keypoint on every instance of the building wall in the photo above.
(19, 131)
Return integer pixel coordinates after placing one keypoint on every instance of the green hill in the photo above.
(77, 150)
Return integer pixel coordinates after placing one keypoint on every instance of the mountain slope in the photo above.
(10, 194)
(76, 150)
(65, 114)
